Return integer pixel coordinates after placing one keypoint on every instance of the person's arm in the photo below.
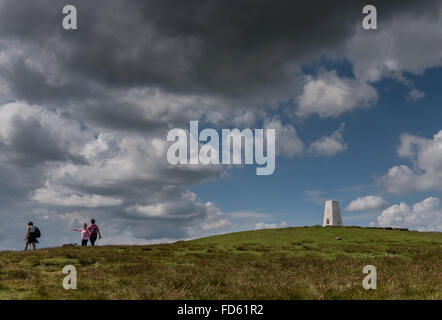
(76, 229)
(99, 233)
(27, 232)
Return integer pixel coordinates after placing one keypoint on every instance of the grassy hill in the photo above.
(289, 263)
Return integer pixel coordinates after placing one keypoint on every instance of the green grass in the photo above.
(289, 263)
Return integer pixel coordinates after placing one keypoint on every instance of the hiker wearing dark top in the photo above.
(93, 232)
(31, 237)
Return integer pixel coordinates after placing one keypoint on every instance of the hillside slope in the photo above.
(288, 263)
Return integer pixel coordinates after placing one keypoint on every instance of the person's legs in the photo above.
(92, 239)
(34, 245)
(26, 245)
(83, 243)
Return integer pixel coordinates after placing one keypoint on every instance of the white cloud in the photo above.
(424, 216)
(366, 203)
(287, 141)
(115, 161)
(187, 206)
(328, 95)
(415, 95)
(48, 195)
(426, 156)
(329, 145)
(248, 215)
(263, 225)
(399, 46)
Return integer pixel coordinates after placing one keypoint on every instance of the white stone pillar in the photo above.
(332, 214)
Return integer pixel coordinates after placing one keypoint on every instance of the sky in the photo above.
(84, 116)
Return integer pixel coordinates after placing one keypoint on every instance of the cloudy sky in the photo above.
(84, 115)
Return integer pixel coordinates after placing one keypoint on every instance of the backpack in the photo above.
(93, 229)
(37, 232)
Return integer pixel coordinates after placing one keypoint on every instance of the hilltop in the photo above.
(288, 263)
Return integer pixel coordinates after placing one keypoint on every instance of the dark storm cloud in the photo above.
(213, 47)
(32, 144)
(32, 135)
(31, 85)
(17, 183)
(108, 111)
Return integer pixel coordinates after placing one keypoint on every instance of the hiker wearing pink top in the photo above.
(94, 231)
(84, 235)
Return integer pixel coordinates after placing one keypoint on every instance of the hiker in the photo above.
(31, 236)
(84, 235)
(93, 231)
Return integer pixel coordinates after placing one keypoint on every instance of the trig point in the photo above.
(332, 214)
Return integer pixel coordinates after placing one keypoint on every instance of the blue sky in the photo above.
(295, 193)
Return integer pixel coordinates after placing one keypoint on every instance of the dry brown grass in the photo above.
(297, 263)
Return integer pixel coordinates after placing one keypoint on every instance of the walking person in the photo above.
(84, 235)
(32, 233)
(93, 232)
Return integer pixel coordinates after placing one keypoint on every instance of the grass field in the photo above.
(288, 263)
